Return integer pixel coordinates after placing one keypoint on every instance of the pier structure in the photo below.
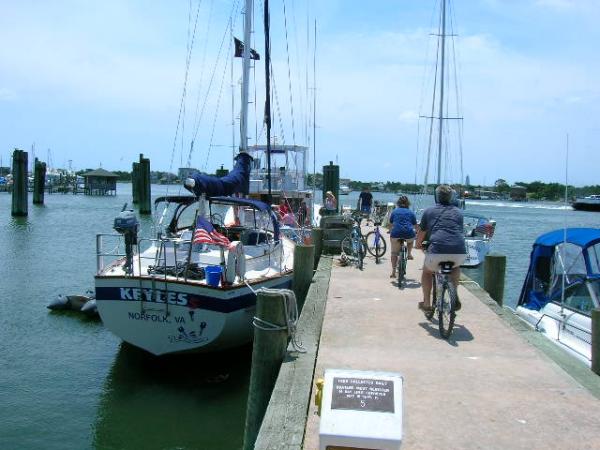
(494, 384)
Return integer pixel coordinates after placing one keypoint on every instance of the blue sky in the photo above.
(99, 83)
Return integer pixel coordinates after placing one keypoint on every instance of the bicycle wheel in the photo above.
(376, 245)
(401, 266)
(346, 246)
(434, 296)
(446, 312)
(360, 255)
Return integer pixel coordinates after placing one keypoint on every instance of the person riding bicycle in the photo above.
(402, 226)
(442, 226)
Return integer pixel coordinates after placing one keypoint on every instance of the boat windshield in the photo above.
(594, 258)
(578, 298)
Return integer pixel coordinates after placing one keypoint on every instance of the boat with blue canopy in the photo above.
(562, 287)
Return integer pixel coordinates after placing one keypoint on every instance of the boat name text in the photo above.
(152, 295)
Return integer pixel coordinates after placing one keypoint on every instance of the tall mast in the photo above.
(245, 77)
(441, 107)
(268, 95)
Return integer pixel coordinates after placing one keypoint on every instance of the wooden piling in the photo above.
(317, 240)
(304, 255)
(135, 170)
(144, 193)
(596, 341)
(268, 351)
(331, 182)
(39, 181)
(493, 276)
(19, 192)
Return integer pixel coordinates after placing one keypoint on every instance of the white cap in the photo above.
(189, 183)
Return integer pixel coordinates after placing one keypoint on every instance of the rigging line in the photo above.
(456, 60)
(300, 97)
(183, 94)
(208, 89)
(188, 52)
(277, 106)
(425, 78)
(203, 64)
(314, 119)
(306, 90)
(287, 52)
(212, 134)
(435, 79)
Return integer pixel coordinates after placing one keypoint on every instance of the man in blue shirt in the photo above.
(402, 224)
(365, 199)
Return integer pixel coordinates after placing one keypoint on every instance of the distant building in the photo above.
(518, 193)
(468, 181)
(185, 172)
(100, 182)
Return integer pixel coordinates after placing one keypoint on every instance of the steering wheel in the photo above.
(217, 219)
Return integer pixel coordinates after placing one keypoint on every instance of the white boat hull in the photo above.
(171, 317)
(477, 249)
(567, 329)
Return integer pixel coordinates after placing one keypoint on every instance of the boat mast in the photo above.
(441, 107)
(268, 96)
(245, 77)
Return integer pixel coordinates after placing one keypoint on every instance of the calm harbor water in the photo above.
(67, 383)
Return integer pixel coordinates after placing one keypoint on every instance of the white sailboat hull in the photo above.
(172, 317)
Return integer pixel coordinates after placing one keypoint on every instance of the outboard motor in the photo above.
(126, 223)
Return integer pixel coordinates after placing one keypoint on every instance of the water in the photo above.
(67, 383)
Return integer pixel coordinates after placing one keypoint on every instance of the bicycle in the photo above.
(402, 262)
(445, 299)
(376, 244)
(354, 245)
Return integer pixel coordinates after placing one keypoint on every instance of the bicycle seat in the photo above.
(446, 266)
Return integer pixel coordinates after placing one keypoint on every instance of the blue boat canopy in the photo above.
(583, 237)
(558, 259)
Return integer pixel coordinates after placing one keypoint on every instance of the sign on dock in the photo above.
(361, 409)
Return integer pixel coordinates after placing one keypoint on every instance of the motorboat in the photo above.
(345, 190)
(479, 232)
(562, 287)
(589, 203)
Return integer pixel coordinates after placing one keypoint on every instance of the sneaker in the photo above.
(410, 257)
(393, 275)
(457, 305)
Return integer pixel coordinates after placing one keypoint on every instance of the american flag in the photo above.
(206, 234)
(485, 227)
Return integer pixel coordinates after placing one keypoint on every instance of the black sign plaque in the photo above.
(363, 394)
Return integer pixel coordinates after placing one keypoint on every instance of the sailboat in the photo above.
(192, 285)
(478, 229)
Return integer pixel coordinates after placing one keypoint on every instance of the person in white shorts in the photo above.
(443, 225)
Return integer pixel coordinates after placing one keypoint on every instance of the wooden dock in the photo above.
(487, 387)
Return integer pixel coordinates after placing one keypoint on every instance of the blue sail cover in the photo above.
(536, 290)
(236, 181)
